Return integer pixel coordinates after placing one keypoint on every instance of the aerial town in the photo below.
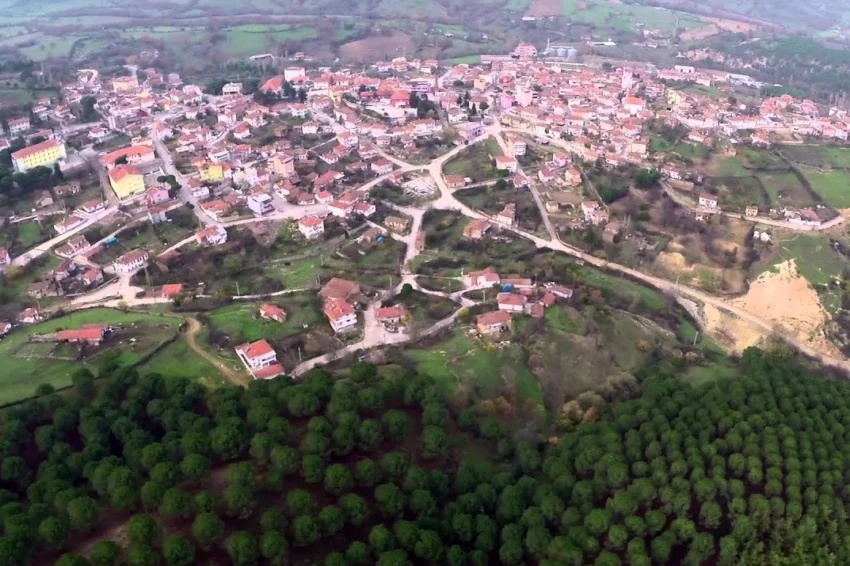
(366, 155)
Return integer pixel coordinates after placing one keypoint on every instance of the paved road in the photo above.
(45, 247)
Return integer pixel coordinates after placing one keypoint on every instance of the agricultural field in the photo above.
(832, 186)
(241, 320)
(474, 162)
(24, 368)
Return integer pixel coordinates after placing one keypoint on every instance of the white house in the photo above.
(341, 315)
(131, 261)
(231, 88)
(311, 227)
(261, 204)
(260, 359)
(211, 236)
(707, 200)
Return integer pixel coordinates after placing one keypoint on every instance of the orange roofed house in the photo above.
(494, 322)
(341, 315)
(338, 288)
(260, 359)
(269, 311)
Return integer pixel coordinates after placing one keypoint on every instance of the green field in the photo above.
(242, 319)
(650, 299)
(466, 60)
(474, 162)
(832, 186)
(20, 376)
(785, 189)
(299, 274)
(29, 234)
(829, 156)
(730, 167)
(178, 360)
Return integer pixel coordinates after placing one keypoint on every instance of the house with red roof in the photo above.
(260, 359)
(311, 227)
(341, 315)
(92, 335)
(269, 311)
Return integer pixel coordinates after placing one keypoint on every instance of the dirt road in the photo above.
(191, 332)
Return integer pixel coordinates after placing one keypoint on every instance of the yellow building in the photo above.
(126, 181)
(212, 173)
(43, 154)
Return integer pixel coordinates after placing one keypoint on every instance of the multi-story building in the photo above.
(126, 181)
(131, 261)
(19, 126)
(261, 204)
(43, 154)
(341, 315)
(311, 227)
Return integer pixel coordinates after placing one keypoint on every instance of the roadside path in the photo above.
(193, 329)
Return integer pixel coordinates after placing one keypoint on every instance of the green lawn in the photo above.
(785, 189)
(466, 60)
(29, 234)
(730, 167)
(467, 361)
(832, 186)
(299, 274)
(178, 360)
(493, 147)
(567, 320)
(20, 376)
(243, 319)
(652, 300)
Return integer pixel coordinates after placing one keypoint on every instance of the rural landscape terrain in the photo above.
(516, 282)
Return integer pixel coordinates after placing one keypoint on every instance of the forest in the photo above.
(359, 468)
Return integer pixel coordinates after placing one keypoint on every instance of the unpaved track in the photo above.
(191, 332)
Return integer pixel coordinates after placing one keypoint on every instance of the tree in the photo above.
(305, 530)
(331, 520)
(393, 558)
(207, 529)
(312, 468)
(142, 555)
(381, 539)
(338, 479)
(366, 473)
(433, 442)
(510, 553)
(53, 532)
(396, 425)
(178, 551)
(195, 467)
(242, 548)
(175, 503)
(299, 502)
(105, 553)
(83, 513)
(239, 501)
(355, 509)
(357, 554)
(142, 530)
(369, 435)
(390, 500)
(286, 459)
(274, 548)
(429, 547)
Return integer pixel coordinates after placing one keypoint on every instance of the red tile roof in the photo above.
(255, 349)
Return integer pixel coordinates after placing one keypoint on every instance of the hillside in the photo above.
(386, 470)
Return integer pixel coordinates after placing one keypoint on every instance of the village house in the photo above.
(92, 335)
(396, 223)
(269, 311)
(171, 290)
(91, 277)
(507, 215)
(68, 223)
(455, 181)
(751, 211)
(484, 278)
(5, 328)
(494, 322)
(260, 359)
(381, 167)
(29, 316)
(572, 177)
(261, 204)
(73, 246)
(131, 261)
(708, 200)
(341, 315)
(511, 302)
(311, 227)
(340, 209)
(476, 229)
(211, 236)
(92, 206)
(506, 163)
(338, 288)
(391, 317)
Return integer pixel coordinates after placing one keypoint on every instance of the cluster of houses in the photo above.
(515, 296)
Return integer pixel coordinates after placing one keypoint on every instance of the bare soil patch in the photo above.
(696, 34)
(786, 298)
(730, 330)
(732, 25)
(543, 8)
(378, 47)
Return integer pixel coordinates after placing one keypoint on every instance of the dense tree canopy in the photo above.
(745, 471)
